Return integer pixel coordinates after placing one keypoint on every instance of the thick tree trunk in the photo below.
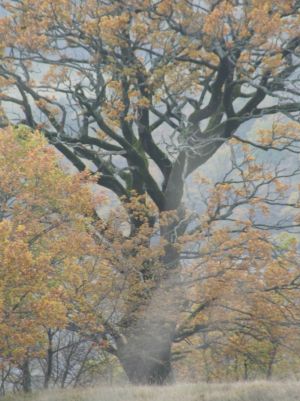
(146, 356)
(144, 349)
(143, 367)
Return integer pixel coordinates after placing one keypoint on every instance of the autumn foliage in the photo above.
(187, 113)
(44, 219)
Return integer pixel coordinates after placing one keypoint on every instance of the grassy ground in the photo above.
(255, 391)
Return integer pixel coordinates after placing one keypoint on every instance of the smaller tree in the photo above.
(46, 250)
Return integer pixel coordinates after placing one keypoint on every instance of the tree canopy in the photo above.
(143, 93)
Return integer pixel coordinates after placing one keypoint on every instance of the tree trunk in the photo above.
(26, 377)
(49, 366)
(271, 361)
(146, 357)
(245, 369)
(144, 349)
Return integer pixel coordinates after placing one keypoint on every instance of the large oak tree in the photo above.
(144, 93)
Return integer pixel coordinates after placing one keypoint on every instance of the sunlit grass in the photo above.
(252, 391)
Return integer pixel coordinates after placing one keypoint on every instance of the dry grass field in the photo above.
(252, 391)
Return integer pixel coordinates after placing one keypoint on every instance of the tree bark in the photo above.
(144, 349)
(271, 362)
(245, 369)
(146, 356)
(49, 366)
(26, 377)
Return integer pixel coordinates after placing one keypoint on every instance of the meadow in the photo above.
(241, 391)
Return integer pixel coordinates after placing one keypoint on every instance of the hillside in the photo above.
(255, 391)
